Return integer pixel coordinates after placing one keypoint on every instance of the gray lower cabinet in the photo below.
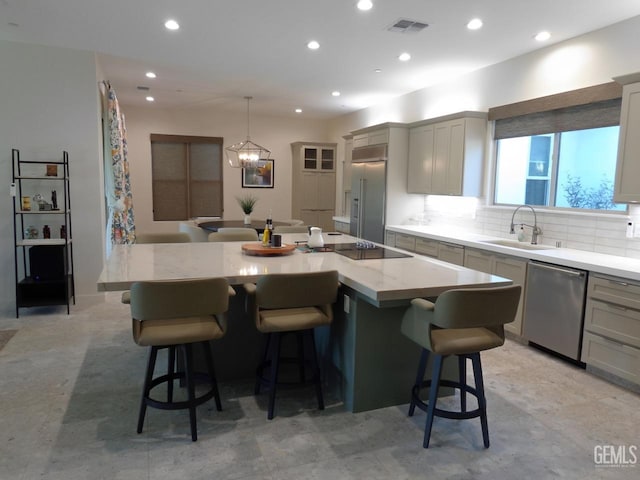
(611, 340)
(515, 269)
(406, 242)
(450, 252)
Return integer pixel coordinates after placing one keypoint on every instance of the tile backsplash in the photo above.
(589, 231)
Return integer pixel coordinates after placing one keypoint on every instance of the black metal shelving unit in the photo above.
(43, 266)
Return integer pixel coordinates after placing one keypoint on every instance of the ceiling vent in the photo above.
(143, 88)
(407, 26)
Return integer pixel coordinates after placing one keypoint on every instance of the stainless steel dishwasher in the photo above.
(554, 308)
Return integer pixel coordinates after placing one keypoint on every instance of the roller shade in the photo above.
(593, 115)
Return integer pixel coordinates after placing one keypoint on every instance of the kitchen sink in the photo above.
(519, 245)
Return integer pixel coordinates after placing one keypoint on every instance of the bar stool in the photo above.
(461, 322)
(176, 315)
(286, 303)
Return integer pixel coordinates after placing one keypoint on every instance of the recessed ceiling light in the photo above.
(298, 110)
(150, 75)
(313, 45)
(542, 36)
(335, 93)
(404, 57)
(474, 24)
(150, 99)
(364, 5)
(378, 70)
(171, 25)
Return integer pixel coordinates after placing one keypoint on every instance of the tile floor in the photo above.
(69, 392)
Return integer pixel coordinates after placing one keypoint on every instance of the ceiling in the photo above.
(226, 50)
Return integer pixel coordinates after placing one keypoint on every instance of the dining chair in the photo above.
(291, 229)
(461, 322)
(233, 235)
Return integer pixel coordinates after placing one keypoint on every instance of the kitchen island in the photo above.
(365, 357)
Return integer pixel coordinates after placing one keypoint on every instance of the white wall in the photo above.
(276, 134)
(48, 103)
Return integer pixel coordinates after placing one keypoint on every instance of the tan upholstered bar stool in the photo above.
(169, 237)
(178, 314)
(234, 235)
(461, 322)
(291, 303)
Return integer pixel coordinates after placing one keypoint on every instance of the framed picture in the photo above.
(259, 176)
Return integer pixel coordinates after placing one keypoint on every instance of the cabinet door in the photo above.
(455, 162)
(309, 192)
(477, 260)
(310, 160)
(627, 188)
(325, 220)
(516, 270)
(309, 217)
(326, 191)
(424, 246)
(406, 242)
(442, 135)
(327, 159)
(346, 166)
(420, 169)
(448, 252)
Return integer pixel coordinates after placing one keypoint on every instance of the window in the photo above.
(574, 169)
(559, 158)
(186, 177)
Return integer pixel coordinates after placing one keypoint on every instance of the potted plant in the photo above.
(247, 202)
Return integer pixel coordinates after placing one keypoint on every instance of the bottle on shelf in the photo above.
(63, 231)
(46, 232)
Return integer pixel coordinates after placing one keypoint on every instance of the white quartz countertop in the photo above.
(379, 280)
(624, 267)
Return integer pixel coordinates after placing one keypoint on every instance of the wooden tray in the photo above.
(259, 250)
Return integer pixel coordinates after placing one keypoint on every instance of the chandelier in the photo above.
(247, 154)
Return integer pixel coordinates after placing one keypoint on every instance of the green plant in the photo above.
(247, 203)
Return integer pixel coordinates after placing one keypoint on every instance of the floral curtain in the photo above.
(120, 222)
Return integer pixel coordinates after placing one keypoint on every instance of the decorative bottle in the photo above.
(266, 234)
(46, 232)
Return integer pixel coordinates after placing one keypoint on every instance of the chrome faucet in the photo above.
(535, 228)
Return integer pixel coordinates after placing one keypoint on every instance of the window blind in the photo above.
(594, 115)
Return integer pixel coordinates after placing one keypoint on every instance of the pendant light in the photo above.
(247, 154)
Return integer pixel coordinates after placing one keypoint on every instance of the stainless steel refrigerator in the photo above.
(368, 181)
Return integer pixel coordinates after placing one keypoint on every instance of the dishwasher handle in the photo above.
(566, 271)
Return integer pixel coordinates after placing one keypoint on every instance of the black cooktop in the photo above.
(363, 251)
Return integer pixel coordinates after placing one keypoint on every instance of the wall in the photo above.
(584, 61)
(49, 103)
(276, 134)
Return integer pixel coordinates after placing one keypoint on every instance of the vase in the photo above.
(247, 219)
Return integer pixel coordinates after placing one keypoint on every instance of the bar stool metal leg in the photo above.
(170, 372)
(188, 366)
(462, 367)
(146, 388)
(422, 366)
(482, 402)
(212, 374)
(433, 397)
(273, 374)
(317, 380)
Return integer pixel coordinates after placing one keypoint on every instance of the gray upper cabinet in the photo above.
(627, 187)
(446, 155)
